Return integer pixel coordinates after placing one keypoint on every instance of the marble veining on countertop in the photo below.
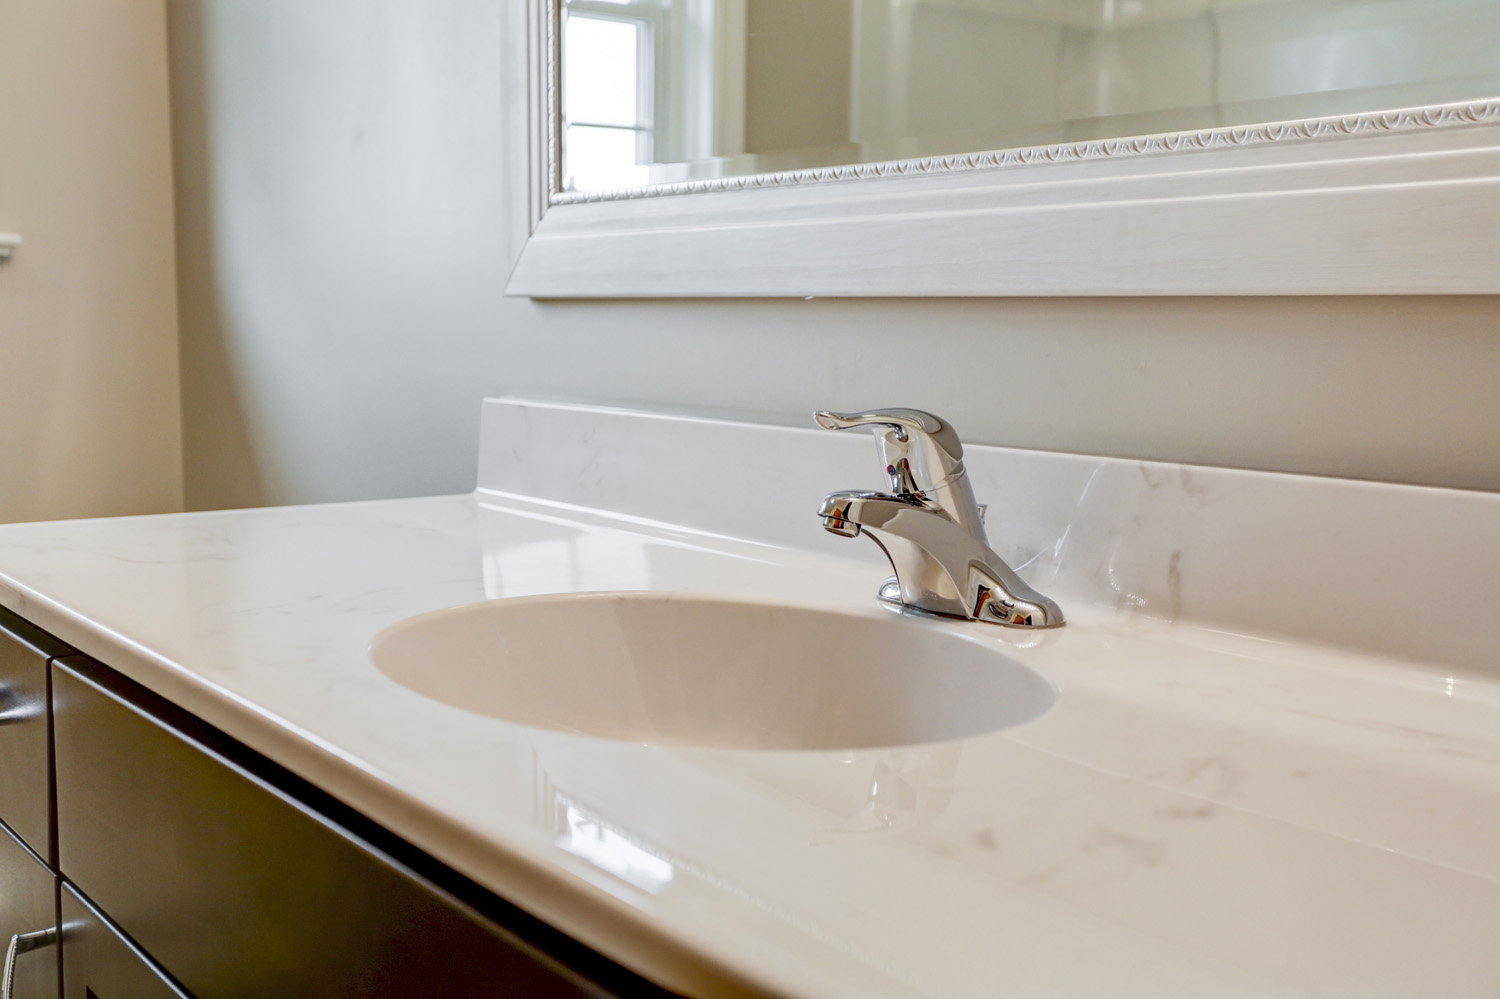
(1211, 808)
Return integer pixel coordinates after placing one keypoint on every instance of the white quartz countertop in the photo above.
(1201, 814)
(1307, 807)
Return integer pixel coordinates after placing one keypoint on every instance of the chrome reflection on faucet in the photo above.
(929, 525)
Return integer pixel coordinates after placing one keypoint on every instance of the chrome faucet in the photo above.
(929, 526)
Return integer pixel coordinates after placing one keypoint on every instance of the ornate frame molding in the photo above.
(1435, 116)
(1394, 202)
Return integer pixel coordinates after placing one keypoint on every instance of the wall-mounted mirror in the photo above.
(647, 98)
(660, 91)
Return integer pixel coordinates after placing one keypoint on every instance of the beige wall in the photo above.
(798, 64)
(89, 409)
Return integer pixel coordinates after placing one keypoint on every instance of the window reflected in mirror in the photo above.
(659, 91)
(608, 97)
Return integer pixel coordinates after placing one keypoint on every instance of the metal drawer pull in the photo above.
(20, 944)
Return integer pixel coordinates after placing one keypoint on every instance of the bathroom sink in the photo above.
(673, 669)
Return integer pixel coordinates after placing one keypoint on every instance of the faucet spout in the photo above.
(931, 528)
(939, 565)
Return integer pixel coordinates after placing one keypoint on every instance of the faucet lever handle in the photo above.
(920, 450)
(905, 423)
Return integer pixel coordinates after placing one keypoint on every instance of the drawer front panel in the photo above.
(24, 652)
(28, 909)
(99, 963)
(239, 890)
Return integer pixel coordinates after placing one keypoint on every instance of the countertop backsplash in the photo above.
(1395, 570)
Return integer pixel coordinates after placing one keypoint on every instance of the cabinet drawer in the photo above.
(28, 909)
(24, 801)
(99, 963)
(212, 860)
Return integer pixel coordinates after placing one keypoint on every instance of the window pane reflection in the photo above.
(601, 71)
(601, 158)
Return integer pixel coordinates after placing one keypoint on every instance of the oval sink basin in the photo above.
(672, 669)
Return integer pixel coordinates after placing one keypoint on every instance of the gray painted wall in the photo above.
(1398, 389)
(339, 242)
(347, 223)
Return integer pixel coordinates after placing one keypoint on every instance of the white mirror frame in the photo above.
(1401, 202)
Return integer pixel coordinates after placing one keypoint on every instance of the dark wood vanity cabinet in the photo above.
(185, 864)
(28, 920)
(28, 882)
(99, 962)
(24, 769)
